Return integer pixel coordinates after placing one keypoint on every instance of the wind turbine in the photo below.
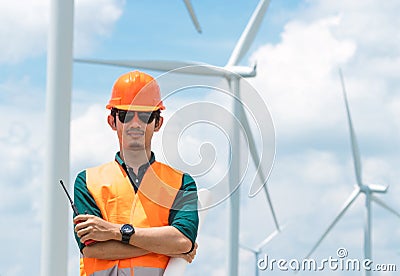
(257, 251)
(369, 190)
(258, 248)
(232, 72)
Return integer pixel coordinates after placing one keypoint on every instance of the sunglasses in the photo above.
(125, 116)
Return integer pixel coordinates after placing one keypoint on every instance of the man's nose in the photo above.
(136, 120)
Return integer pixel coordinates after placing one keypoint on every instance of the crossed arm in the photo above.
(166, 240)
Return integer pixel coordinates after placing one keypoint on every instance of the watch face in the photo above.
(127, 229)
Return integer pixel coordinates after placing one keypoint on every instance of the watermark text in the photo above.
(337, 263)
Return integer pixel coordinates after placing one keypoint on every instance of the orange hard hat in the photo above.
(136, 91)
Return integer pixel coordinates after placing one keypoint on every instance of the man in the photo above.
(136, 212)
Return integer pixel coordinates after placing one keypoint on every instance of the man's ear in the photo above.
(158, 124)
(111, 121)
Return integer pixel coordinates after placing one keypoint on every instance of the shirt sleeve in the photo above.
(184, 214)
(84, 201)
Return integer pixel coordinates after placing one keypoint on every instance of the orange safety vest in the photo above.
(113, 192)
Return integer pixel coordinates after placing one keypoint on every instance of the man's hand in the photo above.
(187, 257)
(89, 227)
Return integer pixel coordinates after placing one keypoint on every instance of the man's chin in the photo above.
(136, 146)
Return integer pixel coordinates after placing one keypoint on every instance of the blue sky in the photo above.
(298, 50)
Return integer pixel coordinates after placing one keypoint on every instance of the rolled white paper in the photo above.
(177, 266)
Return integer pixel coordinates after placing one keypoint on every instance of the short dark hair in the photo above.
(157, 115)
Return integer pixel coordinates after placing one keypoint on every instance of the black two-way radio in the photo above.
(74, 209)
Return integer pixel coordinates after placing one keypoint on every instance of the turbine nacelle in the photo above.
(243, 71)
(374, 188)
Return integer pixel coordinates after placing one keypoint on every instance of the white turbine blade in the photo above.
(192, 15)
(247, 248)
(182, 67)
(384, 205)
(346, 206)
(256, 160)
(249, 33)
(269, 238)
(354, 145)
(158, 65)
(262, 243)
(270, 206)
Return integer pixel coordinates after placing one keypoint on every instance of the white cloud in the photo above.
(24, 26)
(21, 156)
(371, 23)
(299, 79)
(394, 108)
(296, 75)
(90, 25)
(93, 142)
(23, 29)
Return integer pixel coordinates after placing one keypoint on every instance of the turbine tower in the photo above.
(369, 190)
(58, 107)
(232, 73)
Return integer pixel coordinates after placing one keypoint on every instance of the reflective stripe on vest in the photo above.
(149, 207)
(137, 271)
(81, 269)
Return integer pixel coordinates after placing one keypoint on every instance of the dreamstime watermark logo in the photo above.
(215, 118)
(338, 263)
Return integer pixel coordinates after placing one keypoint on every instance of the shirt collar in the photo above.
(121, 162)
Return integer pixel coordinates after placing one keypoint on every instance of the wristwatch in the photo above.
(127, 231)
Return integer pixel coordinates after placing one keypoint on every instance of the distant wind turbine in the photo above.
(232, 73)
(257, 250)
(367, 189)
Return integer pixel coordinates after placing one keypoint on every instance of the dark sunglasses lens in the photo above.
(146, 117)
(124, 116)
(121, 116)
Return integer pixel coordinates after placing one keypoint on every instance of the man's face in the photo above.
(134, 133)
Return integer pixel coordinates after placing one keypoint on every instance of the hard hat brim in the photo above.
(136, 107)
